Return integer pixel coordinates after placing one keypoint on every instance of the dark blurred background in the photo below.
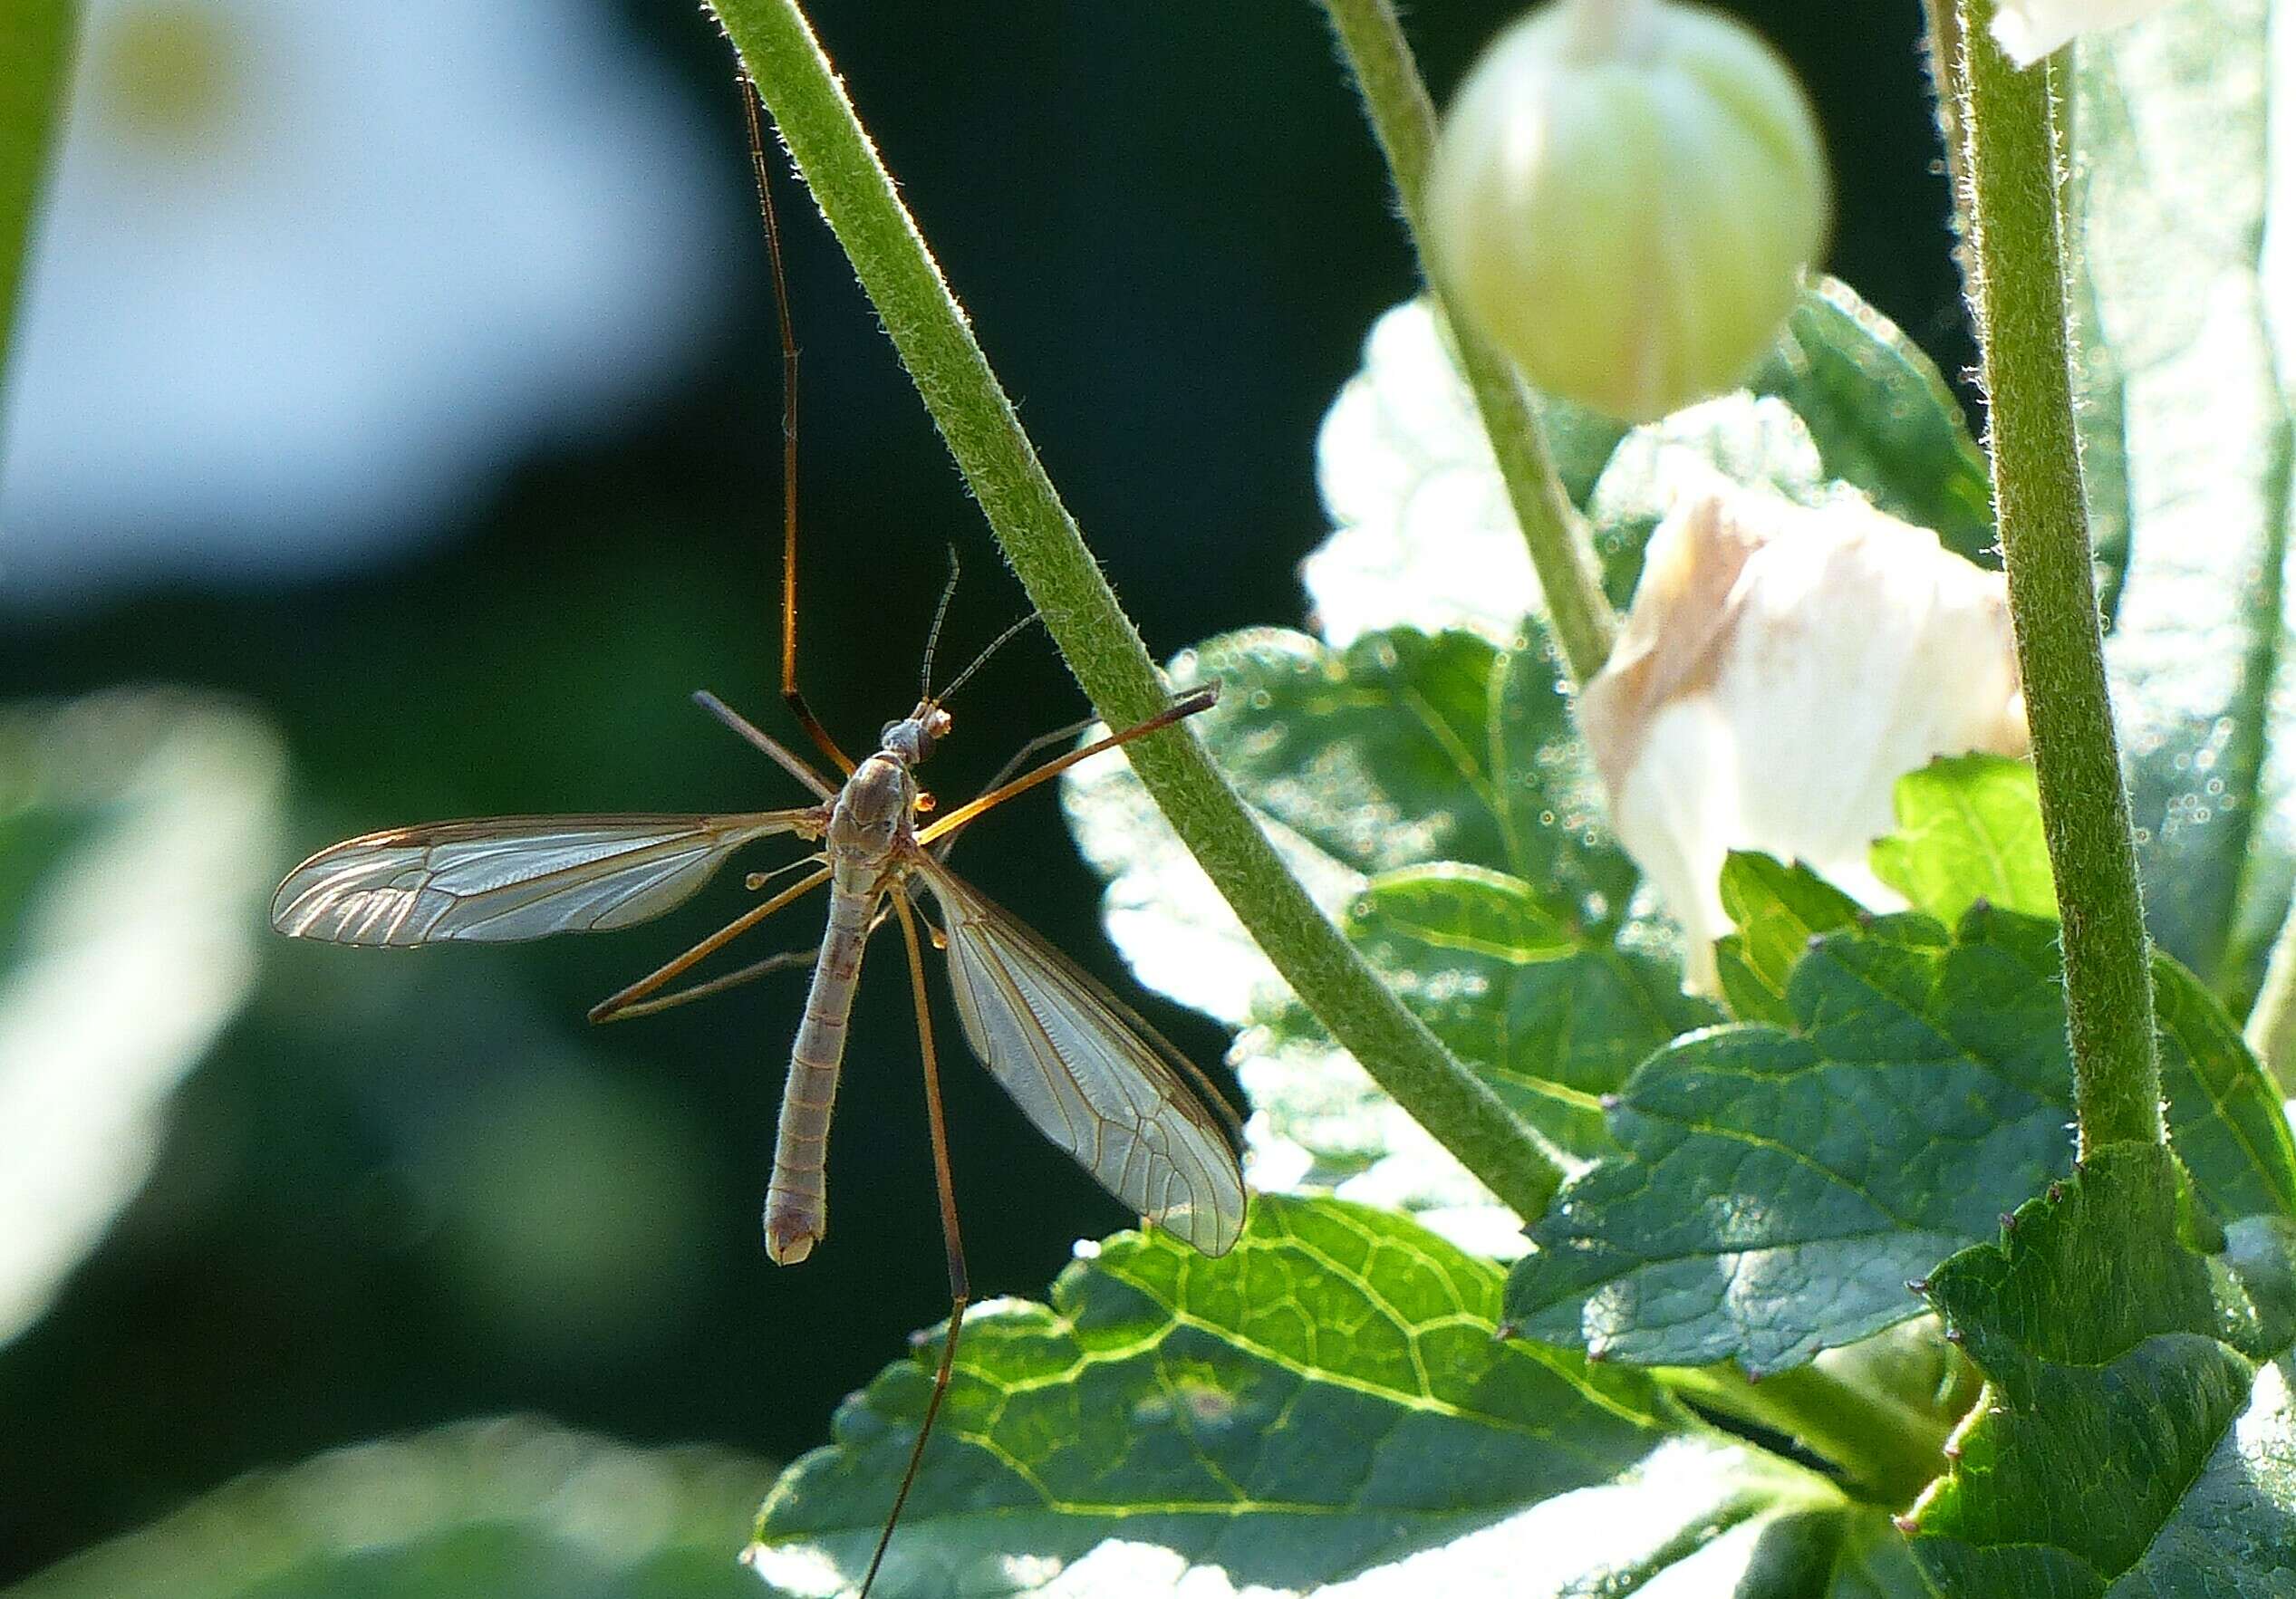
(398, 1190)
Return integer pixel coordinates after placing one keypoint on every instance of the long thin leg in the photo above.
(959, 1285)
(785, 961)
(1021, 757)
(607, 1009)
(732, 979)
(1200, 700)
(789, 690)
(785, 757)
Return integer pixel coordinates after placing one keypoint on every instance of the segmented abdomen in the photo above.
(797, 1199)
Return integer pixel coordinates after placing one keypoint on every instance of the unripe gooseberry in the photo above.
(1624, 196)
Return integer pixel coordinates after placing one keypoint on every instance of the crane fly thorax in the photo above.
(873, 809)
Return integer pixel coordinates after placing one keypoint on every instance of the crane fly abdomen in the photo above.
(871, 814)
(797, 1197)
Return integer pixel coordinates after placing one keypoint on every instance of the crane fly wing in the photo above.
(1095, 1078)
(510, 877)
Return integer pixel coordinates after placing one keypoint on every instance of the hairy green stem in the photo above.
(857, 197)
(35, 42)
(2017, 290)
(1403, 117)
(1889, 1449)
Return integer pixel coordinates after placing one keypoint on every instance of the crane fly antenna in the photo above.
(933, 635)
(981, 660)
(789, 691)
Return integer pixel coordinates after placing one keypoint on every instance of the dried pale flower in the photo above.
(1624, 198)
(1781, 668)
(2028, 30)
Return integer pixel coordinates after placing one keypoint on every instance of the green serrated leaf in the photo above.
(2225, 1116)
(1968, 829)
(1882, 417)
(1778, 909)
(515, 1508)
(1470, 910)
(1399, 752)
(1552, 1018)
(2125, 1446)
(1780, 1186)
(1329, 1403)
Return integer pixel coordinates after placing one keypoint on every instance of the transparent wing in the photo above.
(1094, 1077)
(510, 877)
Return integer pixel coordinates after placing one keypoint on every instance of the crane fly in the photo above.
(1095, 1078)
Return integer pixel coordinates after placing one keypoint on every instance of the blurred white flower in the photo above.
(2028, 30)
(133, 945)
(1422, 534)
(312, 274)
(1781, 668)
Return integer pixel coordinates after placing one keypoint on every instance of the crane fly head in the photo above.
(912, 738)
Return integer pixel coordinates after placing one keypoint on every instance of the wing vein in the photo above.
(1095, 1078)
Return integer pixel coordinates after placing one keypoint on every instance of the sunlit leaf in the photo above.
(1782, 1185)
(2224, 1117)
(516, 1508)
(1552, 1018)
(1324, 1409)
(2192, 424)
(138, 832)
(2135, 1435)
(1778, 909)
(1882, 416)
(1968, 829)
(1366, 766)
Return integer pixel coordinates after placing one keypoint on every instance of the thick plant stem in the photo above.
(857, 197)
(2017, 288)
(1403, 117)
